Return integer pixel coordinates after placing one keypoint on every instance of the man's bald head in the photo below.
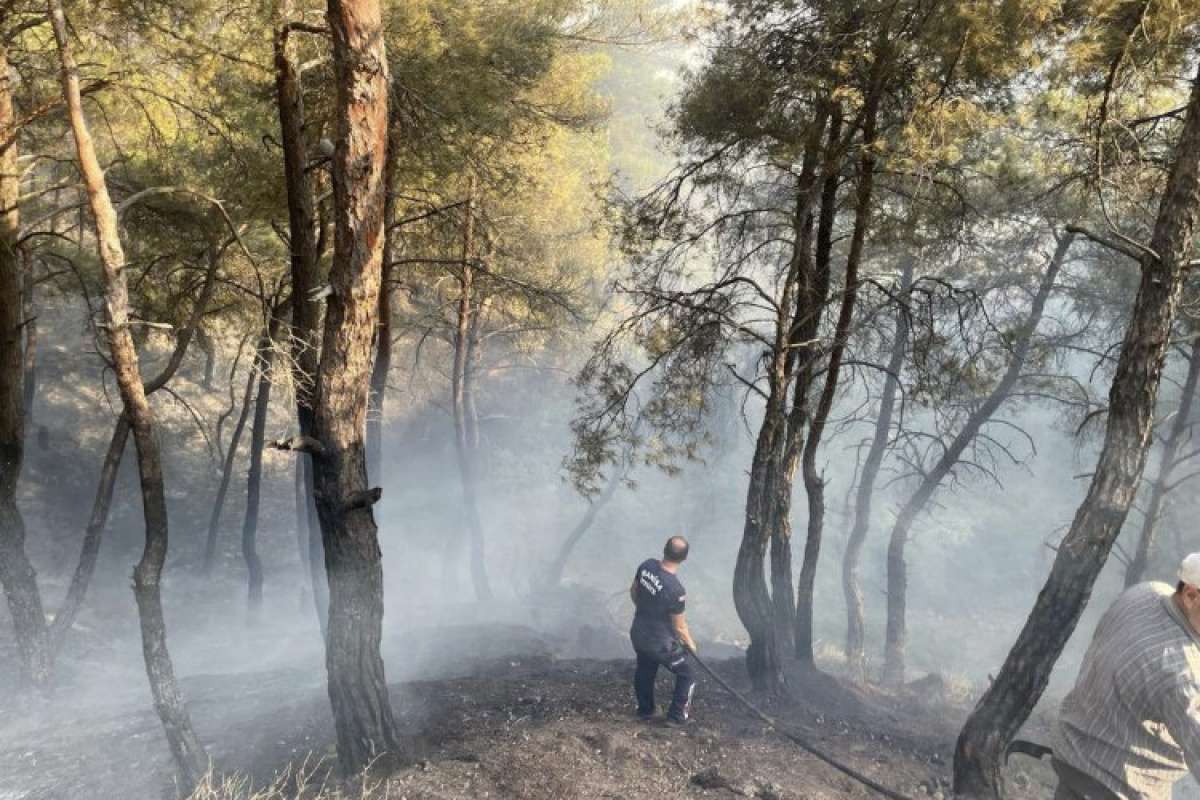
(676, 549)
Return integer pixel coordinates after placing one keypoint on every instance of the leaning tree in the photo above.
(1163, 261)
(190, 759)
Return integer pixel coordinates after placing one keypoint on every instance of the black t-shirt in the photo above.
(659, 594)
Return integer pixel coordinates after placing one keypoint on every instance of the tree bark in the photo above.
(855, 637)
(768, 614)
(264, 357)
(751, 597)
(897, 568)
(16, 572)
(357, 687)
(190, 759)
(814, 483)
(306, 279)
(814, 277)
(1136, 570)
(1010, 698)
(383, 332)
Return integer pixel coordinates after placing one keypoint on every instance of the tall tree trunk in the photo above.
(897, 567)
(479, 572)
(235, 438)
(16, 573)
(190, 759)
(263, 360)
(357, 687)
(29, 364)
(768, 614)
(306, 277)
(751, 597)
(1010, 698)
(814, 483)
(383, 332)
(209, 348)
(1136, 570)
(814, 275)
(856, 656)
(465, 433)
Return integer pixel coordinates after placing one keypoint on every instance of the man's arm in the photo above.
(679, 624)
(633, 590)
(1181, 713)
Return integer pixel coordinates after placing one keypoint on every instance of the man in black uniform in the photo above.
(660, 633)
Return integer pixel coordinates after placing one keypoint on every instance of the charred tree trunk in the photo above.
(814, 483)
(897, 567)
(357, 688)
(263, 360)
(383, 332)
(306, 278)
(235, 438)
(190, 759)
(29, 366)
(856, 656)
(768, 614)
(1010, 698)
(751, 597)
(462, 402)
(16, 573)
(1162, 486)
(812, 291)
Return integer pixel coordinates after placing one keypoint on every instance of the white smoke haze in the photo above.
(255, 681)
(976, 562)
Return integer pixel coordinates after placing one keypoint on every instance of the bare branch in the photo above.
(300, 444)
(1125, 245)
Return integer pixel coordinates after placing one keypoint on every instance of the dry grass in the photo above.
(310, 779)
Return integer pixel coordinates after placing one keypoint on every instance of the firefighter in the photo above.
(660, 633)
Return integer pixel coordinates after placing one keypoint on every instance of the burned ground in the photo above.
(516, 722)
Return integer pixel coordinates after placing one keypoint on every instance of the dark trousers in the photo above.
(674, 659)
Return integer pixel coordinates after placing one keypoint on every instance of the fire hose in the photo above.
(798, 740)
